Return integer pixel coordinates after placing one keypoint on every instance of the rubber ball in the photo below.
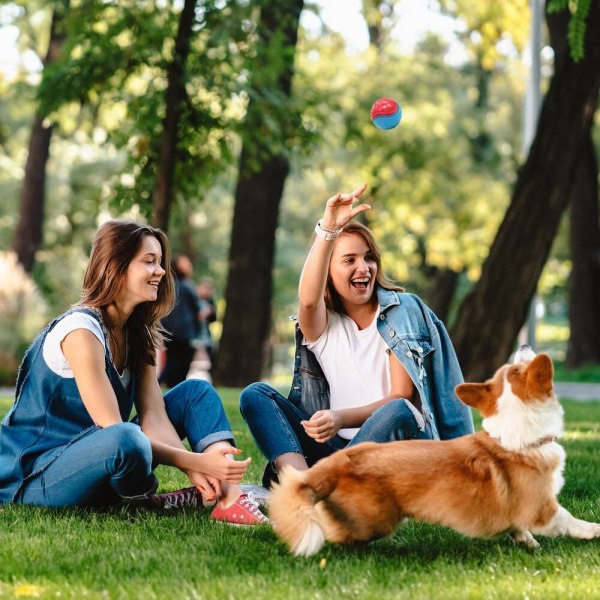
(386, 113)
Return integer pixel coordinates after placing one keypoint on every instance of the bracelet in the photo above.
(327, 234)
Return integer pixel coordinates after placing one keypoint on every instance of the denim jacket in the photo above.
(421, 343)
(47, 415)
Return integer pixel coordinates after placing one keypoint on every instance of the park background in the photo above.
(228, 123)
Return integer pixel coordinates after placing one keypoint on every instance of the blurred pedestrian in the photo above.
(208, 315)
(182, 324)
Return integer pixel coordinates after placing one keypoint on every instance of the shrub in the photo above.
(22, 314)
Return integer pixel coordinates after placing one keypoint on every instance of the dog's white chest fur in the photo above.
(518, 425)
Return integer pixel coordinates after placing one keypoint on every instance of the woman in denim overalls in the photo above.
(68, 441)
(372, 363)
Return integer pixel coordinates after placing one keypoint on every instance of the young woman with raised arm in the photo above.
(373, 363)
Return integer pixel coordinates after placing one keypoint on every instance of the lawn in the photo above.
(139, 554)
(586, 374)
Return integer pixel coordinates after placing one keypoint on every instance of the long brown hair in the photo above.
(116, 244)
(332, 298)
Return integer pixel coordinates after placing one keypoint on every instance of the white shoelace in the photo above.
(250, 503)
(259, 493)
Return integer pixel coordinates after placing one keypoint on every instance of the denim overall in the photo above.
(45, 402)
(49, 432)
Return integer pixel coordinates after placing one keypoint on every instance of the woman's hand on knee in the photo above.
(323, 425)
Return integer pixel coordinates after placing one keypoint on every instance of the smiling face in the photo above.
(144, 273)
(353, 270)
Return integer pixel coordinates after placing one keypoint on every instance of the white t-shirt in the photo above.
(355, 363)
(52, 351)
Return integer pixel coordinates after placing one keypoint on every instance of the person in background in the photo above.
(182, 325)
(67, 439)
(208, 315)
(373, 363)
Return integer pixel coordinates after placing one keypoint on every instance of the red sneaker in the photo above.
(244, 511)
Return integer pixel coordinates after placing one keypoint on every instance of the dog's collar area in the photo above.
(546, 440)
(537, 444)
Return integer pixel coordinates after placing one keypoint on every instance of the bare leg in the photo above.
(291, 459)
(230, 492)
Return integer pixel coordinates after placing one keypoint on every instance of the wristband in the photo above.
(327, 234)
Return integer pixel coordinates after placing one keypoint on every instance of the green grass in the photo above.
(138, 554)
(587, 374)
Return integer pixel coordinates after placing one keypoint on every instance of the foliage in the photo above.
(579, 10)
(435, 204)
(489, 28)
(274, 125)
(114, 69)
(124, 553)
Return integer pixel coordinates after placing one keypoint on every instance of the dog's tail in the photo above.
(293, 513)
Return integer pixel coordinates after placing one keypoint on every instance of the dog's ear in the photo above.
(481, 396)
(539, 376)
(476, 395)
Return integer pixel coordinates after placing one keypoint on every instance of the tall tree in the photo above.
(378, 15)
(485, 26)
(264, 167)
(491, 315)
(165, 86)
(175, 100)
(584, 242)
(584, 283)
(28, 233)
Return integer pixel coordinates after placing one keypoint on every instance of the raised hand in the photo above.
(340, 208)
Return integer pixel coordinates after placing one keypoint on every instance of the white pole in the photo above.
(533, 93)
(531, 111)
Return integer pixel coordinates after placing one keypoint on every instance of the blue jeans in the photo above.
(274, 422)
(113, 463)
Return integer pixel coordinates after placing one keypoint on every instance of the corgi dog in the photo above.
(503, 479)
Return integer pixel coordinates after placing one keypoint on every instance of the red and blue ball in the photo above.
(386, 113)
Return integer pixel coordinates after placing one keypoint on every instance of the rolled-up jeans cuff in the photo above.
(217, 436)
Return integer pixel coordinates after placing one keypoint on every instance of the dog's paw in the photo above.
(588, 530)
(525, 537)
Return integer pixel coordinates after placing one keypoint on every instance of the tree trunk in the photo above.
(246, 324)
(244, 345)
(492, 314)
(584, 284)
(376, 13)
(482, 148)
(175, 98)
(441, 290)
(28, 233)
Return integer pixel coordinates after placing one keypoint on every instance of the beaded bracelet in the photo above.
(327, 234)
